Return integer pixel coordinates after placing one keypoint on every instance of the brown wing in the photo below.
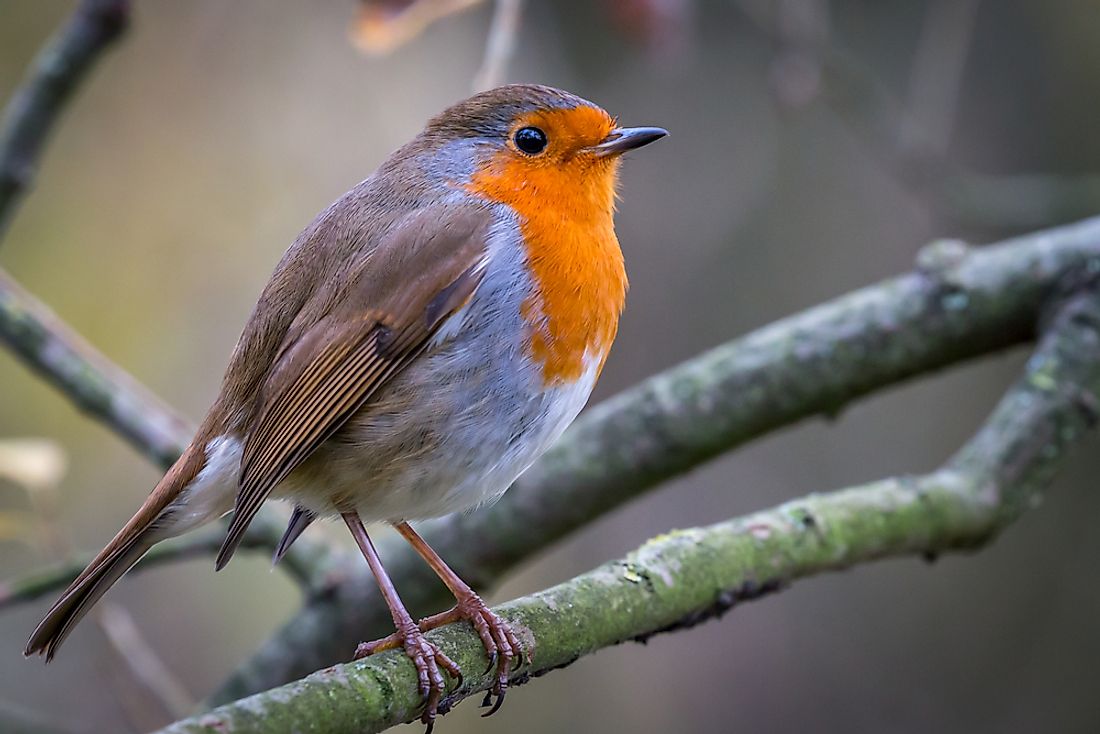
(419, 275)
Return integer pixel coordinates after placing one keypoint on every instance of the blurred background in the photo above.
(816, 146)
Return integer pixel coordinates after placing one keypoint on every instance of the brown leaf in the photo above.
(383, 25)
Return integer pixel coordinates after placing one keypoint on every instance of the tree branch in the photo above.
(29, 329)
(95, 386)
(199, 545)
(684, 577)
(961, 303)
(108, 394)
(500, 45)
(55, 74)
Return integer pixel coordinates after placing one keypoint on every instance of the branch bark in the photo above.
(682, 578)
(55, 74)
(961, 303)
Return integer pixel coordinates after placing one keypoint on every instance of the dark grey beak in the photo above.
(623, 139)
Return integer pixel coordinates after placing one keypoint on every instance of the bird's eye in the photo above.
(530, 140)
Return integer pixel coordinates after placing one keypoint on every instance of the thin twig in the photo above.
(144, 665)
(886, 128)
(936, 77)
(44, 466)
(196, 545)
(500, 45)
(682, 578)
(960, 304)
(56, 73)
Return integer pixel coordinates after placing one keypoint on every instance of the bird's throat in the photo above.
(566, 220)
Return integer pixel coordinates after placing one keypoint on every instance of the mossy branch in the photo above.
(959, 304)
(684, 577)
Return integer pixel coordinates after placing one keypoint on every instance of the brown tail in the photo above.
(142, 532)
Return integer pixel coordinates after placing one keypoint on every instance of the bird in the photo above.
(425, 339)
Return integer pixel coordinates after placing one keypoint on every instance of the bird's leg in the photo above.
(425, 656)
(500, 643)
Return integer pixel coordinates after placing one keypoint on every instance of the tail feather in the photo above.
(142, 532)
(299, 521)
(79, 598)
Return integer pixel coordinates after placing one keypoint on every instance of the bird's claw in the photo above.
(501, 646)
(430, 663)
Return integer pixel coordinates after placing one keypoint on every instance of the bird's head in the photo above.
(538, 144)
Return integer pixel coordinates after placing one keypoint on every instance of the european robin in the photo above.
(420, 344)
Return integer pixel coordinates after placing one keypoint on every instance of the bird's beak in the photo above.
(622, 139)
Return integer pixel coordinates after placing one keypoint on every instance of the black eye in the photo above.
(530, 140)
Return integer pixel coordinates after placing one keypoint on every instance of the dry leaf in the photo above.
(32, 463)
(383, 25)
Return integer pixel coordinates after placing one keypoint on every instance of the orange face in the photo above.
(564, 195)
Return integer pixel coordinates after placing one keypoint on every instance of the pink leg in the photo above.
(500, 642)
(425, 656)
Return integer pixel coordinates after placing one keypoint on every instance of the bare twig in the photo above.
(42, 469)
(906, 140)
(500, 44)
(145, 666)
(936, 76)
(56, 73)
(197, 545)
(685, 577)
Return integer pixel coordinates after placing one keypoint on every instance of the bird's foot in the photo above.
(499, 641)
(430, 663)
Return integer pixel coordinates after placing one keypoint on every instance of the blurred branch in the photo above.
(500, 45)
(27, 327)
(936, 77)
(961, 303)
(969, 198)
(145, 667)
(37, 466)
(97, 387)
(106, 393)
(909, 140)
(682, 578)
(56, 73)
(383, 25)
(198, 545)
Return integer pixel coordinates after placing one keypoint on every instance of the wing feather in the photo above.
(375, 331)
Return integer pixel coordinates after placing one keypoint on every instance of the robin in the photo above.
(419, 345)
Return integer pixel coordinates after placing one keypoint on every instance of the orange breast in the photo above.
(565, 214)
